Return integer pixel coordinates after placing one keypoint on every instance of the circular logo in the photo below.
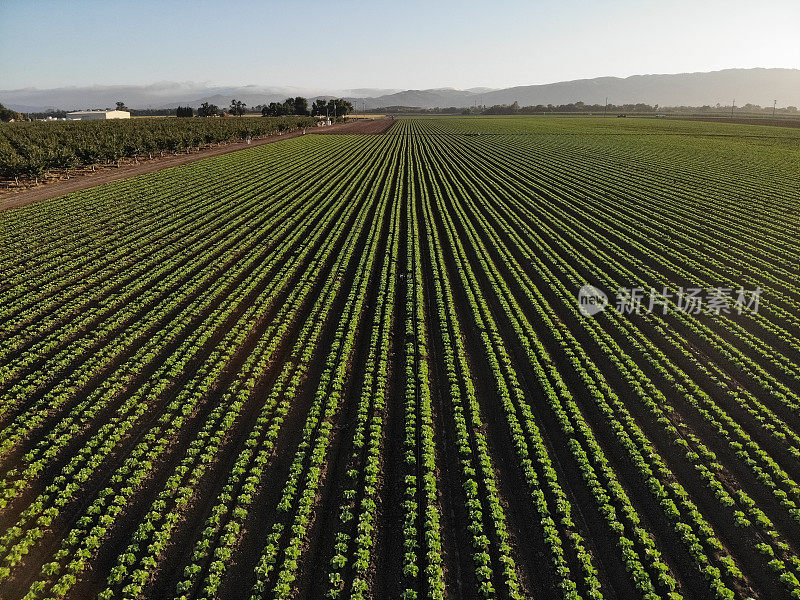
(591, 300)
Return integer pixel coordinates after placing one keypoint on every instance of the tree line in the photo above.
(639, 107)
(291, 107)
(581, 107)
(334, 107)
(298, 106)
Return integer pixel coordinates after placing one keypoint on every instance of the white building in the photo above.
(83, 115)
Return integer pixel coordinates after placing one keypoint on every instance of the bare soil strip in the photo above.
(362, 127)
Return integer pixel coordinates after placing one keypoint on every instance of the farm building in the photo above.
(83, 115)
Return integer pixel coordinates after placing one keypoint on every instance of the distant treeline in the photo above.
(580, 107)
(339, 107)
(298, 106)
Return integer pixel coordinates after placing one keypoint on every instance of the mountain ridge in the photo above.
(756, 86)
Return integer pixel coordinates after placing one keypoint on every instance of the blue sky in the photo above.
(406, 44)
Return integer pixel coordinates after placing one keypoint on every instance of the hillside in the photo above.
(756, 86)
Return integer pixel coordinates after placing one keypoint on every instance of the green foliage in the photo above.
(32, 149)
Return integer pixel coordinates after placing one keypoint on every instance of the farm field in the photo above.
(32, 150)
(356, 366)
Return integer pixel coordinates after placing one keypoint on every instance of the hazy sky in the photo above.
(399, 44)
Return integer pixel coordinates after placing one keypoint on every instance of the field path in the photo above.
(87, 180)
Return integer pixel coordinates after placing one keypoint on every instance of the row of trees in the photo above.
(290, 107)
(515, 108)
(297, 106)
(237, 108)
(337, 107)
(640, 107)
(581, 107)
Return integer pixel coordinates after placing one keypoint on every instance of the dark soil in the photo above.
(360, 126)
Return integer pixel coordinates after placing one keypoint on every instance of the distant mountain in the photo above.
(160, 95)
(364, 92)
(756, 86)
(424, 98)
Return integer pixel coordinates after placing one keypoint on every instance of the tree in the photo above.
(339, 107)
(343, 107)
(184, 111)
(271, 110)
(238, 107)
(300, 106)
(279, 109)
(121, 106)
(6, 114)
(208, 110)
(318, 107)
(288, 106)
